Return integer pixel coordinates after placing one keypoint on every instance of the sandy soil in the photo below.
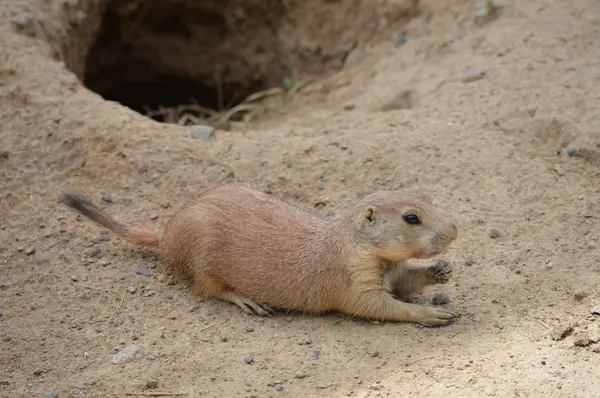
(492, 151)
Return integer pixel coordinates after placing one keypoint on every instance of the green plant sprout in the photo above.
(292, 81)
(488, 7)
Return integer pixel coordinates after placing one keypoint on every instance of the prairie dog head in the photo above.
(401, 225)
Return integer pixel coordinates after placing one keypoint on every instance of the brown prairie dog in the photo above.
(243, 246)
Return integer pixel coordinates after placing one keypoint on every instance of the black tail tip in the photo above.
(73, 200)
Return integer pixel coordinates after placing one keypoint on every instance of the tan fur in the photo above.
(246, 247)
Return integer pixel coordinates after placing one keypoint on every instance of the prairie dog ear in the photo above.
(369, 213)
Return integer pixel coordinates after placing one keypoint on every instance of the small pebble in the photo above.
(30, 251)
(142, 168)
(320, 184)
(400, 41)
(106, 197)
(153, 216)
(301, 374)
(224, 339)
(580, 295)
(289, 319)
(50, 395)
(152, 383)
(498, 324)
(375, 354)
(571, 152)
(249, 359)
(249, 329)
(473, 74)
(316, 355)
(74, 278)
(25, 22)
(202, 133)
(131, 289)
(279, 387)
(143, 271)
(494, 233)
(127, 354)
(440, 299)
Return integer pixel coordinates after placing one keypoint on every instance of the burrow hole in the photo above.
(214, 54)
(178, 61)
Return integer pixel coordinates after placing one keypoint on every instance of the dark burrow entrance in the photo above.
(165, 59)
(214, 54)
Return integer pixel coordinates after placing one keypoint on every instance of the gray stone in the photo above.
(320, 184)
(143, 271)
(127, 354)
(202, 132)
(473, 74)
(50, 395)
(106, 197)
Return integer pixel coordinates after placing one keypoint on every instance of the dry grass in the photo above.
(194, 114)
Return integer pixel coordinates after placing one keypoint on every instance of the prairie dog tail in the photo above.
(137, 236)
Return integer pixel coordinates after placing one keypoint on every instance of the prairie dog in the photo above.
(243, 246)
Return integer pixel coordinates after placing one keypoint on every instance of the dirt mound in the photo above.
(497, 120)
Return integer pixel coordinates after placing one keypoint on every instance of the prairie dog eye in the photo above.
(411, 219)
